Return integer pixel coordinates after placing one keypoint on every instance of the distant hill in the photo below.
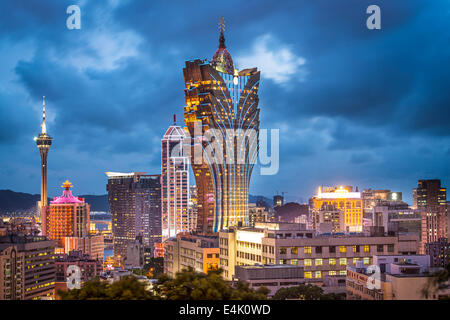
(289, 211)
(11, 201)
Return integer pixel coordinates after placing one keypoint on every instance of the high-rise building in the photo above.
(222, 117)
(174, 183)
(430, 193)
(432, 202)
(330, 200)
(193, 206)
(135, 205)
(43, 142)
(66, 216)
(278, 200)
(30, 273)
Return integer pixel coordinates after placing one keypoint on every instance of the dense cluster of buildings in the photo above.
(366, 244)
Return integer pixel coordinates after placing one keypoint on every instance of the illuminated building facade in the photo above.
(432, 202)
(92, 245)
(31, 272)
(174, 183)
(43, 142)
(222, 117)
(319, 255)
(66, 216)
(201, 252)
(349, 203)
(135, 205)
(12, 274)
(278, 201)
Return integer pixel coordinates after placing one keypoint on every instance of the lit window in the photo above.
(355, 260)
(308, 275)
(318, 274)
(294, 250)
(307, 250)
(308, 262)
(343, 261)
(343, 272)
(366, 248)
(332, 273)
(318, 262)
(294, 262)
(366, 260)
(332, 262)
(342, 249)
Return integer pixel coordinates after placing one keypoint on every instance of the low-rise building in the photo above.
(273, 277)
(395, 277)
(87, 267)
(200, 252)
(320, 255)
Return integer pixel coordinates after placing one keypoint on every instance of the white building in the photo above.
(174, 184)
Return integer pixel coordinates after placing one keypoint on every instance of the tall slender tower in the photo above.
(222, 117)
(174, 183)
(43, 142)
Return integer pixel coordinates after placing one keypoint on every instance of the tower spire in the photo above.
(222, 30)
(44, 127)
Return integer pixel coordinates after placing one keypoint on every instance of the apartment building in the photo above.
(201, 252)
(35, 256)
(320, 255)
(396, 277)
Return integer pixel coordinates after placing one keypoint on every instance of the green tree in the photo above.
(127, 288)
(191, 285)
(437, 280)
(303, 292)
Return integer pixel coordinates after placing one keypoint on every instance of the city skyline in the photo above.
(386, 137)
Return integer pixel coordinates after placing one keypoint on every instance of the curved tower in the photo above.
(43, 142)
(222, 117)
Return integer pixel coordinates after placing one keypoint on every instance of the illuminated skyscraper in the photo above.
(222, 117)
(66, 216)
(432, 202)
(135, 205)
(43, 142)
(174, 183)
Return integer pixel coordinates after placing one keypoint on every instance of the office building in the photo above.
(135, 204)
(222, 118)
(200, 252)
(396, 216)
(174, 183)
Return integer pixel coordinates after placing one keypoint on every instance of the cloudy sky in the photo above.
(369, 108)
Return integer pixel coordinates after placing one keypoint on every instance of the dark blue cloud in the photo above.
(354, 106)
